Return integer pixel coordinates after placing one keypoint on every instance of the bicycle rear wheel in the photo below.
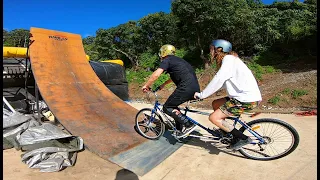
(281, 139)
(148, 124)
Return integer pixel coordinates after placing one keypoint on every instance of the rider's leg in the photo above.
(220, 118)
(217, 118)
(218, 102)
(170, 107)
(220, 113)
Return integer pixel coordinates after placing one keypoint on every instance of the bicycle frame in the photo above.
(215, 136)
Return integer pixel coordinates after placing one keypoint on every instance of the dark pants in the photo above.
(179, 96)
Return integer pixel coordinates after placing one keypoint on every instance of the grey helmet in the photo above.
(221, 43)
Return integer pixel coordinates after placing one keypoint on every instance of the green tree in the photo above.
(204, 20)
(158, 29)
(121, 41)
(16, 38)
(90, 48)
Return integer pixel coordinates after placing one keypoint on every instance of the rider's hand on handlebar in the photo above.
(145, 88)
(196, 95)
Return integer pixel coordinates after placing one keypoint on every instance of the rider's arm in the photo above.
(224, 73)
(165, 83)
(155, 75)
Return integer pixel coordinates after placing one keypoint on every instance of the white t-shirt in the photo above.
(238, 80)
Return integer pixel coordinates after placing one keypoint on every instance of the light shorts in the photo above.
(233, 107)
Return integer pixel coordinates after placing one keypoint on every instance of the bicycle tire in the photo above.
(159, 121)
(288, 127)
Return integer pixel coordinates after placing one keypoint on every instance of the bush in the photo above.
(269, 58)
(256, 69)
(181, 53)
(162, 78)
(297, 93)
(137, 76)
(141, 77)
(259, 70)
(270, 69)
(149, 61)
(274, 100)
(286, 91)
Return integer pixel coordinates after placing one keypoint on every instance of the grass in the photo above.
(286, 91)
(291, 93)
(259, 70)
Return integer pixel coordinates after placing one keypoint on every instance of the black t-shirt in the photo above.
(181, 72)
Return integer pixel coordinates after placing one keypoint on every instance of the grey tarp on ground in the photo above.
(47, 147)
(13, 124)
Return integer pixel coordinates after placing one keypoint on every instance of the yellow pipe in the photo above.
(21, 52)
(116, 61)
(17, 52)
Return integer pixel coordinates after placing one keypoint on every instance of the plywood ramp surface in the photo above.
(87, 108)
(77, 97)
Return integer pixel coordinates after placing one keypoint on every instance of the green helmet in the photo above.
(166, 50)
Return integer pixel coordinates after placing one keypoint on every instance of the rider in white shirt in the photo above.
(240, 84)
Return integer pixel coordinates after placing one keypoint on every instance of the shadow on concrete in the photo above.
(212, 148)
(125, 174)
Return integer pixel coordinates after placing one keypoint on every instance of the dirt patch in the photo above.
(278, 85)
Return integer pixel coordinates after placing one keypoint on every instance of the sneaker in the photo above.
(186, 130)
(240, 143)
(219, 131)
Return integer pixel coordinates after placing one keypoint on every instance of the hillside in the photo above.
(281, 91)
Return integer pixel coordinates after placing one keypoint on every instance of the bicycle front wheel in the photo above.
(281, 139)
(149, 124)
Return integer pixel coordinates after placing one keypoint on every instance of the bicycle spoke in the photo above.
(150, 125)
(280, 139)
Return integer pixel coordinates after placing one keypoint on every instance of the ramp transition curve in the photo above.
(77, 97)
(85, 106)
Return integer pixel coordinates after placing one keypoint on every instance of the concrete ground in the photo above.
(195, 160)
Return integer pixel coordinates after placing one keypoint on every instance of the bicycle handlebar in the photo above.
(158, 88)
(154, 90)
(195, 101)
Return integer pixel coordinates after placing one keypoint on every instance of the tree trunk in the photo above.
(206, 62)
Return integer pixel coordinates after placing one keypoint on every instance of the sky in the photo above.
(79, 16)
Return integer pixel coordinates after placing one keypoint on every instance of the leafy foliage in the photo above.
(298, 92)
(162, 78)
(259, 70)
(275, 33)
(158, 29)
(15, 38)
(90, 48)
(149, 61)
(274, 100)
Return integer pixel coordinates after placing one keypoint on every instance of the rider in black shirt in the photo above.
(184, 77)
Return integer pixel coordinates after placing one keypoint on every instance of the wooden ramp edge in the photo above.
(85, 106)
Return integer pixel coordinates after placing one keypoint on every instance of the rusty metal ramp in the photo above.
(85, 106)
